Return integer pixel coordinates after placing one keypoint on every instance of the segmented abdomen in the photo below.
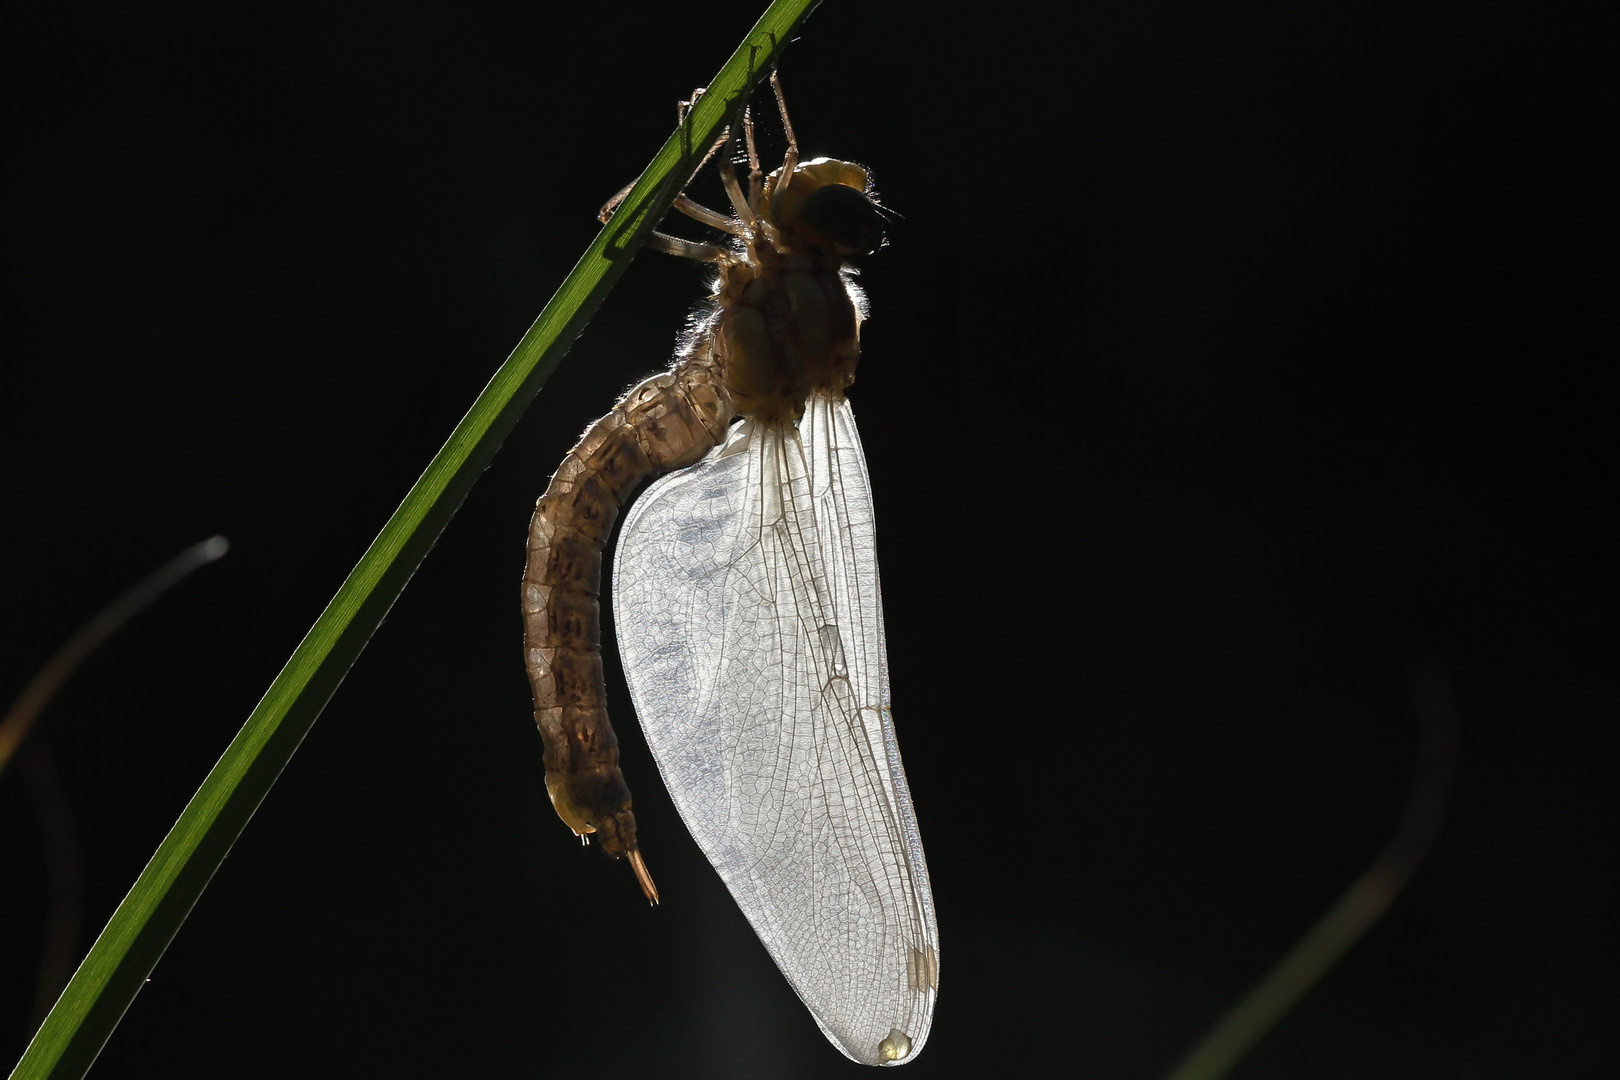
(667, 422)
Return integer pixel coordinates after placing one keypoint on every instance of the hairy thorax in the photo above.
(788, 328)
(789, 317)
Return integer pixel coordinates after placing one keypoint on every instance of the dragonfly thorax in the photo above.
(789, 323)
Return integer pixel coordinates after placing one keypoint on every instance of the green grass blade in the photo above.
(149, 916)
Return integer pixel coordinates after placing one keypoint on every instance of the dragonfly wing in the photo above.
(751, 631)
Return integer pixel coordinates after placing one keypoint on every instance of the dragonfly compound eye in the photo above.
(845, 216)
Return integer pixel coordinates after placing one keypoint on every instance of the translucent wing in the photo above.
(751, 632)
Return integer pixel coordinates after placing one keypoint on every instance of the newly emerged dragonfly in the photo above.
(750, 621)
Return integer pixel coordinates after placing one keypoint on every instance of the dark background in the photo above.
(1227, 360)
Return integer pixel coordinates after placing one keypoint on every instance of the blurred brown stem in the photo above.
(63, 871)
(44, 685)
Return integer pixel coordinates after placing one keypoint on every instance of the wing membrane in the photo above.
(751, 631)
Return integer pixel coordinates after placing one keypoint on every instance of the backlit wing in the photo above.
(751, 631)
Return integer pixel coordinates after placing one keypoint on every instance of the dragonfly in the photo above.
(748, 608)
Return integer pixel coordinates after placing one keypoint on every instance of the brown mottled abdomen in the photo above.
(666, 422)
(786, 326)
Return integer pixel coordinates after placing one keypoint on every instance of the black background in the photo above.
(1227, 359)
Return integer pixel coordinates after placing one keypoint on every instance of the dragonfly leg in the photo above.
(790, 160)
(734, 191)
(687, 249)
(698, 212)
(682, 108)
(674, 245)
(756, 176)
(605, 214)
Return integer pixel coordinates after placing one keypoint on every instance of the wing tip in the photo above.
(894, 1049)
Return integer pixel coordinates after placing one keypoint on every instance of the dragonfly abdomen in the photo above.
(666, 422)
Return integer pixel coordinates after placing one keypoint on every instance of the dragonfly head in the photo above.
(827, 206)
